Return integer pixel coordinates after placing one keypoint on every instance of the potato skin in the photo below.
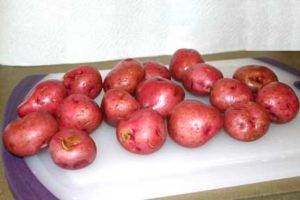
(126, 75)
(280, 101)
(160, 94)
(142, 131)
(117, 104)
(192, 123)
(28, 135)
(72, 149)
(246, 121)
(255, 76)
(155, 68)
(45, 96)
(227, 91)
(199, 78)
(181, 60)
(78, 111)
(83, 80)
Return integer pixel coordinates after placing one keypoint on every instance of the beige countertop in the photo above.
(279, 189)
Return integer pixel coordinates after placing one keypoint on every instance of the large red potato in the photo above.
(72, 149)
(160, 94)
(45, 96)
(117, 104)
(155, 68)
(192, 123)
(29, 135)
(199, 78)
(255, 76)
(181, 60)
(227, 91)
(142, 131)
(246, 121)
(279, 100)
(126, 75)
(83, 80)
(78, 111)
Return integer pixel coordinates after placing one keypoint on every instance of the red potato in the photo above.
(29, 135)
(78, 111)
(154, 68)
(192, 123)
(160, 94)
(117, 104)
(142, 131)
(83, 80)
(45, 96)
(255, 76)
(72, 149)
(126, 75)
(246, 121)
(181, 60)
(279, 100)
(227, 91)
(199, 78)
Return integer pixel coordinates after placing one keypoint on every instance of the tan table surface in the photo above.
(279, 189)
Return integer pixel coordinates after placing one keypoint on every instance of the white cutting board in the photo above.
(221, 162)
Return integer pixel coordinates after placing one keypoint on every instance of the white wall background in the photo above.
(34, 32)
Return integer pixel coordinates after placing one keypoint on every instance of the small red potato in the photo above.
(83, 80)
(126, 75)
(255, 76)
(45, 96)
(227, 91)
(142, 131)
(117, 104)
(160, 94)
(154, 68)
(78, 111)
(199, 78)
(72, 149)
(181, 60)
(279, 100)
(29, 135)
(246, 121)
(192, 123)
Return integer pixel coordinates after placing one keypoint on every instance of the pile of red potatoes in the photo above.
(144, 104)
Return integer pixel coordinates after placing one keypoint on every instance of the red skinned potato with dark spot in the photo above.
(246, 121)
(45, 96)
(255, 76)
(142, 131)
(160, 94)
(72, 149)
(78, 111)
(227, 91)
(83, 80)
(155, 68)
(181, 60)
(279, 100)
(192, 123)
(199, 78)
(29, 135)
(126, 75)
(117, 104)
